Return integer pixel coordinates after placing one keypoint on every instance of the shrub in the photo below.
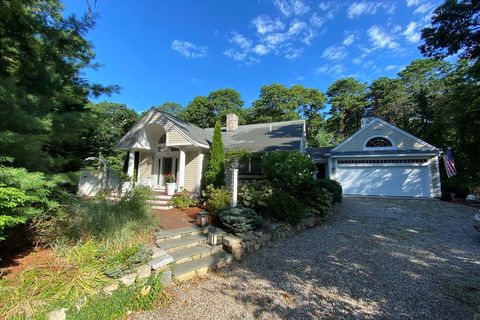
(182, 200)
(217, 199)
(283, 206)
(288, 170)
(106, 219)
(317, 198)
(25, 195)
(240, 219)
(459, 186)
(333, 187)
(169, 178)
(215, 172)
(255, 194)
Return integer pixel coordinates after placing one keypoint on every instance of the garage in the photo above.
(385, 177)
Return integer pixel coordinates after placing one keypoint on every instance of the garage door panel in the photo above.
(389, 181)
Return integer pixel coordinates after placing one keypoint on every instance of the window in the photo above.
(163, 139)
(379, 142)
(251, 166)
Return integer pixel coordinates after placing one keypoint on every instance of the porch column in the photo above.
(181, 170)
(131, 163)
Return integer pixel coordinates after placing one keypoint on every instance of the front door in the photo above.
(166, 166)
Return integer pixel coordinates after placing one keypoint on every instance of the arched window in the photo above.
(379, 142)
(163, 139)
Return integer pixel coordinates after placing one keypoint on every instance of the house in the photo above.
(379, 159)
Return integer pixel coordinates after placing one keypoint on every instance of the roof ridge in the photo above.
(267, 123)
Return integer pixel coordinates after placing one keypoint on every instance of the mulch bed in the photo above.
(177, 218)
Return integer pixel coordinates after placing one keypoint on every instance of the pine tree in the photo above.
(215, 173)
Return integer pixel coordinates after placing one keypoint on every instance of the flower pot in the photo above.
(171, 188)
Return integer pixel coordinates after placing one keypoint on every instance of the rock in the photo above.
(258, 233)
(257, 246)
(110, 288)
(144, 271)
(231, 240)
(59, 314)
(128, 279)
(157, 252)
(247, 236)
(166, 278)
(160, 262)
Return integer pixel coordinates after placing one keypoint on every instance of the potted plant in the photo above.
(170, 183)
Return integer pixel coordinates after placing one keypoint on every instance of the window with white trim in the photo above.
(379, 142)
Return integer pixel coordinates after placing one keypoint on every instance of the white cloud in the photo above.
(413, 2)
(260, 49)
(357, 60)
(391, 67)
(331, 70)
(235, 54)
(293, 54)
(291, 7)
(424, 8)
(411, 32)
(334, 53)
(264, 24)
(360, 8)
(241, 41)
(349, 39)
(189, 50)
(381, 39)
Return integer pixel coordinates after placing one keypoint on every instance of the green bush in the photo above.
(288, 170)
(25, 195)
(240, 219)
(459, 186)
(333, 187)
(127, 259)
(182, 200)
(284, 207)
(316, 197)
(217, 199)
(255, 194)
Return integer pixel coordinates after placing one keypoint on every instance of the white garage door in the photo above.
(385, 180)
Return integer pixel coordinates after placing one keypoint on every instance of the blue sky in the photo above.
(160, 51)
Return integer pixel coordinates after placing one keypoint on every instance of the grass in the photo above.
(101, 236)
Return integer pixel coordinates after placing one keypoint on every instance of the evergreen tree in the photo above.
(215, 173)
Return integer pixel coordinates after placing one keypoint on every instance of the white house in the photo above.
(379, 159)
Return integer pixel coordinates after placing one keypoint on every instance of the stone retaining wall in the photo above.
(241, 244)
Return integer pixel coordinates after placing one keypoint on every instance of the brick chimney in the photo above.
(232, 122)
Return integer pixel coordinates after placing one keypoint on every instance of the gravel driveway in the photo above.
(376, 259)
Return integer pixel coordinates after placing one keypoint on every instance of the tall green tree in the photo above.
(347, 98)
(276, 103)
(43, 95)
(455, 28)
(215, 172)
(226, 101)
(171, 107)
(200, 112)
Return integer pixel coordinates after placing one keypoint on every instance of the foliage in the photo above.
(255, 194)
(332, 186)
(236, 155)
(182, 200)
(206, 111)
(216, 199)
(127, 259)
(43, 92)
(25, 195)
(169, 178)
(76, 275)
(316, 197)
(276, 103)
(324, 138)
(143, 296)
(171, 107)
(348, 99)
(285, 207)
(288, 170)
(240, 219)
(215, 172)
(105, 219)
(454, 29)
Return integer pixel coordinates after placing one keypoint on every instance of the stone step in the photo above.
(161, 208)
(160, 197)
(157, 202)
(161, 236)
(189, 270)
(195, 253)
(182, 243)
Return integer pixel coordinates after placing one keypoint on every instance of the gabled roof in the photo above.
(378, 120)
(318, 153)
(194, 132)
(285, 135)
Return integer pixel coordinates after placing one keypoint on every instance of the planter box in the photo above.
(171, 188)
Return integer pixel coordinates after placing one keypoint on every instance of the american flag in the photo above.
(449, 163)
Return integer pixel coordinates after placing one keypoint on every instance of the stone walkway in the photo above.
(378, 259)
